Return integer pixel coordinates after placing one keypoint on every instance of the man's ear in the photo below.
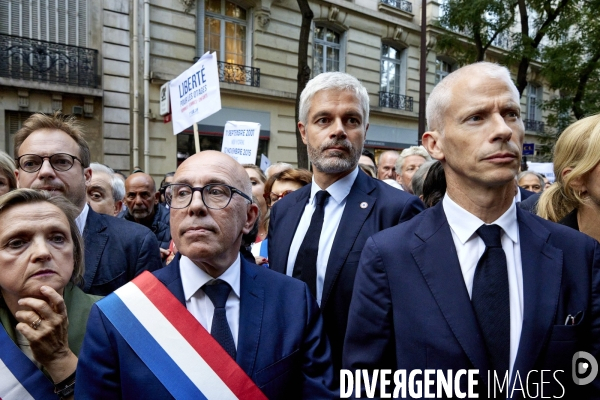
(431, 142)
(251, 216)
(87, 174)
(156, 198)
(302, 130)
(17, 176)
(118, 207)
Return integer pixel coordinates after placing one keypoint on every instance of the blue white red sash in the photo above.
(184, 357)
(20, 379)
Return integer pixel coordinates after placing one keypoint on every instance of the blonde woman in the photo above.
(574, 199)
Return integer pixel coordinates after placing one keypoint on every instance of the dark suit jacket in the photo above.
(281, 345)
(116, 251)
(411, 310)
(385, 207)
(525, 194)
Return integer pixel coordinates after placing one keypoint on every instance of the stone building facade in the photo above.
(136, 46)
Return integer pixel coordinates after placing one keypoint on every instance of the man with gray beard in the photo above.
(317, 233)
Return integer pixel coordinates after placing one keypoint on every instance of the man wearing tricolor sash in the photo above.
(210, 324)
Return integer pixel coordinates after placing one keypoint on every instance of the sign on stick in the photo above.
(240, 141)
(195, 93)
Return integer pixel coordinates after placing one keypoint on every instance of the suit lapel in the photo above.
(353, 219)
(170, 276)
(94, 242)
(542, 274)
(251, 317)
(287, 225)
(438, 262)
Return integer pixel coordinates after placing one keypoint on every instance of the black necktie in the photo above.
(218, 293)
(490, 299)
(305, 267)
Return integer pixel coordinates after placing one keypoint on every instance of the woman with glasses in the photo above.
(277, 187)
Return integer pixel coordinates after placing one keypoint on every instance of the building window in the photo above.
(225, 31)
(533, 94)
(442, 69)
(56, 21)
(326, 52)
(393, 70)
(533, 122)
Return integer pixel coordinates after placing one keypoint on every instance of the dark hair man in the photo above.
(475, 282)
(52, 155)
(317, 232)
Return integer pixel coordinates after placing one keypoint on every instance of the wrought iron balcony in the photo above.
(533, 125)
(397, 101)
(399, 4)
(240, 74)
(37, 60)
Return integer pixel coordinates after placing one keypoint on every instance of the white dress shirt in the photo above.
(334, 208)
(200, 305)
(81, 218)
(470, 247)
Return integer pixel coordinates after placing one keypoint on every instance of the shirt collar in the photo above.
(82, 217)
(193, 277)
(464, 224)
(339, 189)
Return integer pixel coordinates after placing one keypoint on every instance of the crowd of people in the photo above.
(229, 281)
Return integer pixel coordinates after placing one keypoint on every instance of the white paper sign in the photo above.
(264, 163)
(542, 168)
(195, 93)
(240, 141)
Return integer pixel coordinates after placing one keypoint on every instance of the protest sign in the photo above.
(195, 94)
(240, 141)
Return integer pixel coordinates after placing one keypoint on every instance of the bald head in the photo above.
(141, 197)
(221, 163)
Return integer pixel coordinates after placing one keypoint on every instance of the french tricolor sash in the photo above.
(20, 379)
(184, 357)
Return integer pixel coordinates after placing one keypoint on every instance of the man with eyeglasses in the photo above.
(52, 155)
(263, 329)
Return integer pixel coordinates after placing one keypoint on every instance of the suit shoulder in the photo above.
(124, 227)
(275, 281)
(561, 235)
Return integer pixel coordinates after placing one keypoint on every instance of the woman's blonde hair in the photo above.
(30, 196)
(578, 148)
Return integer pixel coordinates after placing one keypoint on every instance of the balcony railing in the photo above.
(532, 125)
(399, 4)
(397, 101)
(37, 60)
(240, 74)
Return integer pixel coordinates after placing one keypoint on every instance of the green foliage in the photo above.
(561, 36)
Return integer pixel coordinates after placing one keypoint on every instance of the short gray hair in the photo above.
(333, 81)
(525, 173)
(440, 97)
(116, 184)
(411, 151)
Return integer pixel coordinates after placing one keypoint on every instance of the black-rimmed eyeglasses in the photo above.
(215, 196)
(59, 162)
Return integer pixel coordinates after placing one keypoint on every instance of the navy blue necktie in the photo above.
(490, 299)
(305, 267)
(218, 293)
